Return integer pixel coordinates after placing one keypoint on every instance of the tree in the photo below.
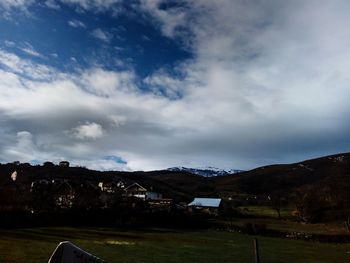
(86, 197)
(338, 195)
(229, 210)
(277, 201)
(42, 198)
(311, 204)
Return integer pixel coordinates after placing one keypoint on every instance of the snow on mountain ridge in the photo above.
(206, 171)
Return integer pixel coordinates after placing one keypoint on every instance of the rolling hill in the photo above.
(321, 172)
(316, 173)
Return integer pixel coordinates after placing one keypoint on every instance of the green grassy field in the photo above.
(36, 245)
(267, 216)
(266, 211)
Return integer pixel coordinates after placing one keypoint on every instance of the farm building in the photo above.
(205, 205)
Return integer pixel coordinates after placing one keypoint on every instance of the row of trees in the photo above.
(322, 202)
(316, 203)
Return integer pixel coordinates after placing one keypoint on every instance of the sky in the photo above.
(151, 84)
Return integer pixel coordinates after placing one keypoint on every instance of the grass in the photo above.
(266, 211)
(334, 228)
(267, 216)
(159, 245)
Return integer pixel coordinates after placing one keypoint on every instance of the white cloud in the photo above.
(8, 7)
(52, 4)
(101, 35)
(101, 165)
(23, 149)
(95, 5)
(112, 6)
(53, 105)
(76, 23)
(9, 43)
(31, 51)
(118, 120)
(15, 64)
(89, 130)
(164, 84)
(25, 140)
(257, 90)
(171, 19)
(107, 83)
(8, 4)
(254, 69)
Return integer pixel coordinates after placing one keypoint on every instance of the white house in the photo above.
(136, 190)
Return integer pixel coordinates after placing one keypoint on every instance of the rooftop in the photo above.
(206, 202)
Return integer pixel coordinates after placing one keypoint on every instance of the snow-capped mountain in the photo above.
(205, 171)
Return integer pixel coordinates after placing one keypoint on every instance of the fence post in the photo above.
(256, 250)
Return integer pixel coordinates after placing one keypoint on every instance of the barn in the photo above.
(205, 205)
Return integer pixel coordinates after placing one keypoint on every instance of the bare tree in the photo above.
(278, 201)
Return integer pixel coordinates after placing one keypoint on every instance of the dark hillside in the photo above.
(321, 172)
(177, 185)
(187, 182)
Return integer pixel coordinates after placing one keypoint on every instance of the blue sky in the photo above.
(151, 84)
(68, 39)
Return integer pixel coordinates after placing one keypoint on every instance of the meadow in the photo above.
(265, 215)
(163, 245)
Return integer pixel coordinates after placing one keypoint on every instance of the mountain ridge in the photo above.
(207, 171)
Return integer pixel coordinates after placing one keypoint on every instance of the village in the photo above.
(62, 195)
